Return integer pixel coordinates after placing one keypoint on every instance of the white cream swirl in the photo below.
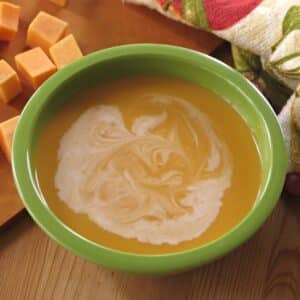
(159, 179)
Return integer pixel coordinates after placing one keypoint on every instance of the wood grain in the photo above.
(96, 25)
(267, 267)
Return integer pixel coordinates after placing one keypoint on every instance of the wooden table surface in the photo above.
(32, 266)
(267, 267)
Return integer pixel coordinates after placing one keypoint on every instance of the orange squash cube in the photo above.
(65, 52)
(10, 85)
(9, 20)
(7, 130)
(35, 66)
(61, 3)
(45, 30)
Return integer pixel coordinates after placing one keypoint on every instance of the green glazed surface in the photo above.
(153, 60)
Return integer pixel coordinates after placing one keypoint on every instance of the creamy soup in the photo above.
(148, 165)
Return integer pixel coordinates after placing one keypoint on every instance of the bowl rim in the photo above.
(146, 263)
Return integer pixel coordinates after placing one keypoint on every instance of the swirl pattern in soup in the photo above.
(143, 181)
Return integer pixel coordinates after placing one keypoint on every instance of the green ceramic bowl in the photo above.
(155, 60)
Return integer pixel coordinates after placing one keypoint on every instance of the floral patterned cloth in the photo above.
(265, 35)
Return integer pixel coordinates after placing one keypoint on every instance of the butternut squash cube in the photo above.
(9, 20)
(61, 3)
(7, 130)
(45, 30)
(35, 66)
(65, 52)
(10, 85)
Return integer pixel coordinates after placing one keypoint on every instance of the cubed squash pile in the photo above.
(46, 35)
(51, 50)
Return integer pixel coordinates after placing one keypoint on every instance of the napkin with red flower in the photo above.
(265, 38)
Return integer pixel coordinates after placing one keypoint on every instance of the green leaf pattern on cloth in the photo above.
(251, 67)
(285, 59)
(194, 13)
(291, 21)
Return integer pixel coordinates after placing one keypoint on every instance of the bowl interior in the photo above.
(150, 60)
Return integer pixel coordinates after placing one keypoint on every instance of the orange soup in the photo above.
(148, 165)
